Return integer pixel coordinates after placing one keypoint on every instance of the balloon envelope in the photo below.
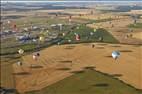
(41, 38)
(34, 57)
(19, 63)
(115, 54)
(95, 30)
(20, 51)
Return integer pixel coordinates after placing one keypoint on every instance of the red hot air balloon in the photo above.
(15, 27)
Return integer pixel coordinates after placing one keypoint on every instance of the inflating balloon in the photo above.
(115, 54)
(20, 51)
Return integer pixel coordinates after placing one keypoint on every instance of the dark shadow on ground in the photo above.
(109, 56)
(116, 75)
(101, 85)
(125, 50)
(90, 67)
(63, 69)
(78, 72)
(22, 73)
(115, 46)
(36, 67)
(102, 44)
(66, 61)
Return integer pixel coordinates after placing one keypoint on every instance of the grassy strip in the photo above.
(84, 33)
(137, 25)
(88, 82)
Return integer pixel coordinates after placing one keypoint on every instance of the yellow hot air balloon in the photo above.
(42, 38)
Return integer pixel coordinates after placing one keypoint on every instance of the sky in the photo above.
(68, 0)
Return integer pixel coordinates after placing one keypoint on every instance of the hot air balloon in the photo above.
(100, 39)
(34, 57)
(19, 63)
(42, 38)
(91, 33)
(58, 43)
(93, 45)
(37, 54)
(63, 34)
(15, 27)
(9, 22)
(20, 51)
(34, 40)
(77, 37)
(69, 40)
(95, 30)
(115, 54)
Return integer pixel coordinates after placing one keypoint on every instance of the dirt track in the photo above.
(57, 59)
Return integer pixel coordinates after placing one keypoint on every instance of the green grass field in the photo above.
(85, 36)
(137, 25)
(89, 82)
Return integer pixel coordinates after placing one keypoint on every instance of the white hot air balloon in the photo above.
(20, 51)
(115, 54)
(69, 40)
(91, 33)
(34, 57)
(58, 43)
(19, 63)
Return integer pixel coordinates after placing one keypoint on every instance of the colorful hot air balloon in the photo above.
(115, 54)
(77, 37)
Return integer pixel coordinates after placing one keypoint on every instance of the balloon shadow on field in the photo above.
(22, 73)
(109, 56)
(63, 69)
(90, 67)
(125, 50)
(116, 75)
(101, 85)
(102, 44)
(36, 67)
(66, 61)
(115, 46)
(78, 72)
